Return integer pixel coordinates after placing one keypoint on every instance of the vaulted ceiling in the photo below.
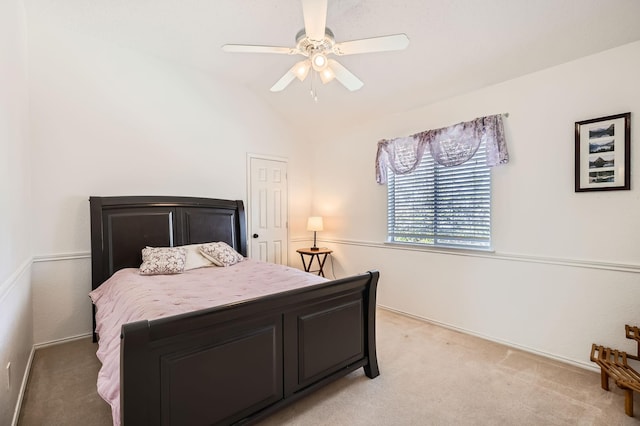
(455, 45)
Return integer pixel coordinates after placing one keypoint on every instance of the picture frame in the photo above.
(602, 153)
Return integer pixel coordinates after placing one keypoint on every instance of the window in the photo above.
(442, 206)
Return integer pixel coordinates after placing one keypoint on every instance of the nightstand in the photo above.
(320, 254)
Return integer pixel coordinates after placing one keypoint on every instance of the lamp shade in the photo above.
(326, 75)
(314, 223)
(302, 69)
(318, 61)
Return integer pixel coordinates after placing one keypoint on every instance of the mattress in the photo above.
(128, 296)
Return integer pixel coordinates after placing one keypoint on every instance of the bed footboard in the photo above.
(239, 363)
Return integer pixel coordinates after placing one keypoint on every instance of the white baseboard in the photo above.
(548, 355)
(60, 341)
(23, 388)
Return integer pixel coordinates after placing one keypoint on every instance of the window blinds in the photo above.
(442, 206)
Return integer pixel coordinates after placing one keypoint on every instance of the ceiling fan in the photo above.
(315, 41)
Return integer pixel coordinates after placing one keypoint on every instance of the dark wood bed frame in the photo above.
(235, 363)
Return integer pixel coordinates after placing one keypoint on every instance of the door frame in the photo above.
(285, 160)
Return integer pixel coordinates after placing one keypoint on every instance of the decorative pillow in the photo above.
(221, 254)
(195, 259)
(163, 260)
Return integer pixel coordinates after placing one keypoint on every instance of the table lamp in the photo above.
(314, 224)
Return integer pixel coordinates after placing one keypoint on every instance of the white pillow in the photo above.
(195, 259)
(221, 254)
(163, 260)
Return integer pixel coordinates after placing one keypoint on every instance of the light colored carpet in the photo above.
(429, 376)
(62, 387)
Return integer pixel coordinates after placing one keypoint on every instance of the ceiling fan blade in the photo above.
(344, 76)
(315, 18)
(284, 81)
(374, 44)
(248, 48)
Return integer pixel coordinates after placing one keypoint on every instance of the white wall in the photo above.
(16, 335)
(565, 272)
(107, 120)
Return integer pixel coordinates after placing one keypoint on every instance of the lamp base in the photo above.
(314, 248)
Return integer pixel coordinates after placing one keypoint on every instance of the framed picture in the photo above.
(603, 162)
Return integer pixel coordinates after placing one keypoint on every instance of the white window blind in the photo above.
(442, 206)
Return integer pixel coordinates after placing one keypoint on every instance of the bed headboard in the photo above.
(122, 226)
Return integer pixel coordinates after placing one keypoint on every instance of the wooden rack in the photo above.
(633, 333)
(613, 363)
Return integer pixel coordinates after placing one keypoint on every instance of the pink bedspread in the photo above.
(128, 296)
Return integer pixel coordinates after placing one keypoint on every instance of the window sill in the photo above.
(438, 248)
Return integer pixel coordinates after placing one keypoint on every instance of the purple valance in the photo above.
(448, 146)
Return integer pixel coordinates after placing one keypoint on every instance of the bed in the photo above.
(238, 362)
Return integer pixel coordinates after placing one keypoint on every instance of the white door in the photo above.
(268, 211)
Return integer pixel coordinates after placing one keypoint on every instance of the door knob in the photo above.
(255, 235)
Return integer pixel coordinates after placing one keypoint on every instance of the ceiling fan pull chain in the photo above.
(314, 92)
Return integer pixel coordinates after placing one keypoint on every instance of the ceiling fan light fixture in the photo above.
(302, 69)
(319, 61)
(327, 75)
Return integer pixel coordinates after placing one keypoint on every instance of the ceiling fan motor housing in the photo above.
(308, 47)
